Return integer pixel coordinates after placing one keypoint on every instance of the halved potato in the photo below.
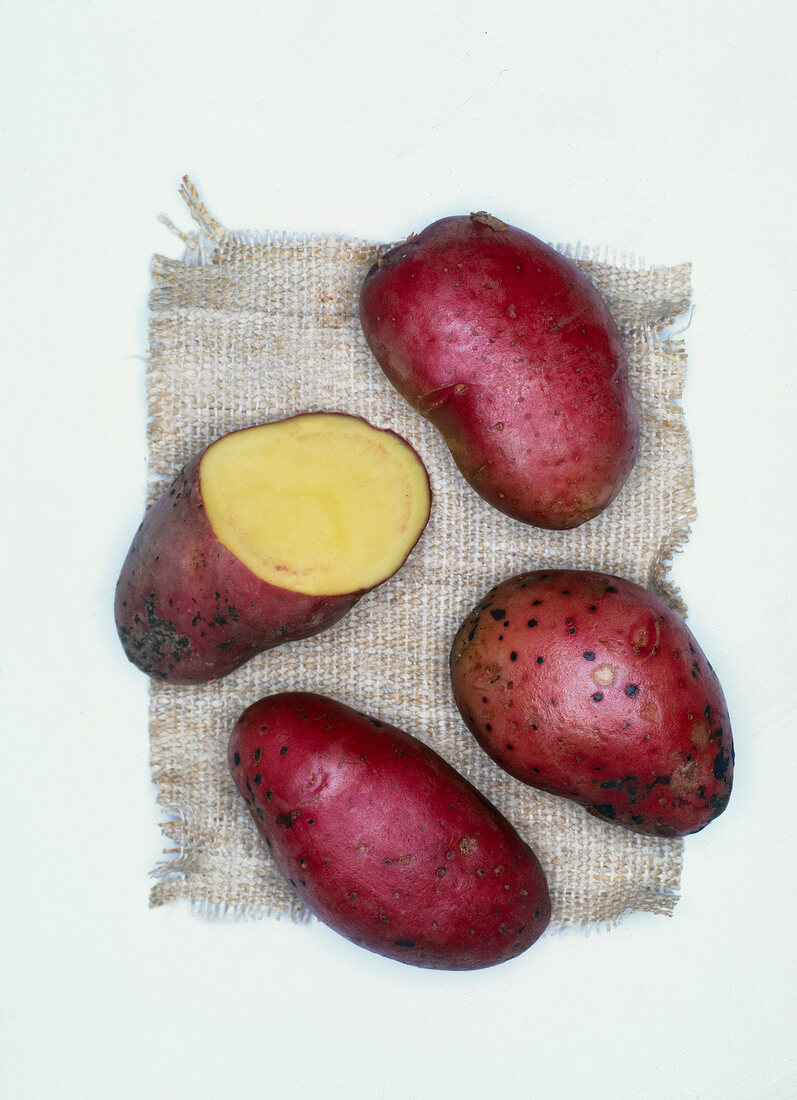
(272, 533)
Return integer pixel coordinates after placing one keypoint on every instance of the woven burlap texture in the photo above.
(246, 329)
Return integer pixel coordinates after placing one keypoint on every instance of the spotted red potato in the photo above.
(589, 687)
(382, 839)
(509, 350)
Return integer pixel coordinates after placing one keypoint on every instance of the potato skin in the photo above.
(509, 350)
(382, 839)
(589, 687)
(188, 611)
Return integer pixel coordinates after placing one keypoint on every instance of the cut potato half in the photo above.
(321, 503)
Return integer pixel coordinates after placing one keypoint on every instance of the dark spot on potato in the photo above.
(237, 758)
(258, 778)
(605, 810)
(283, 750)
(632, 689)
(260, 813)
(721, 763)
(719, 802)
(513, 656)
(532, 622)
(404, 943)
(589, 656)
(256, 754)
(268, 795)
(441, 872)
(598, 696)
(540, 660)
(286, 820)
(610, 588)
(633, 787)
(162, 642)
(498, 614)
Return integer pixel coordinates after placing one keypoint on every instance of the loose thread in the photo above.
(199, 212)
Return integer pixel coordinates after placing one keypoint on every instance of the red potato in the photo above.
(382, 839)
(270, 534)
(509, 350)
(589, 687)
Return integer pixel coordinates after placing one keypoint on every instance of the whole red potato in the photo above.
(589, 687)
(510, 351)
(382, 839)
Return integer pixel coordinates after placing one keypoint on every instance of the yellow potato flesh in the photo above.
(323, 504)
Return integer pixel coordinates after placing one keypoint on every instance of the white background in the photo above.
(665, 130)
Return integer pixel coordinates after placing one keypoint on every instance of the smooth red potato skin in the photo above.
(382, 839)
(589, 687)
(188, 611)
(508, 349)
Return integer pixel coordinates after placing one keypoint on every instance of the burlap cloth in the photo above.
(246, 329)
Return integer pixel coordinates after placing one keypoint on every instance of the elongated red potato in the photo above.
(382, 839)
(270, 534)
(588, 686)
(510, 351)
